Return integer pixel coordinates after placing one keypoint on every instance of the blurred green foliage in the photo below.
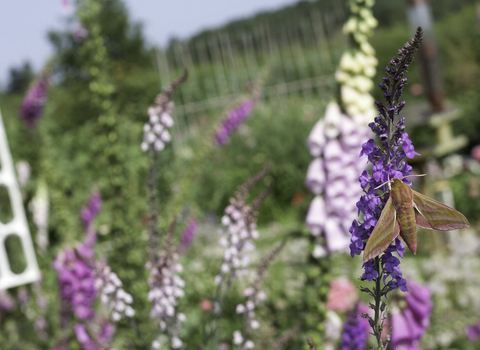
(90, 138)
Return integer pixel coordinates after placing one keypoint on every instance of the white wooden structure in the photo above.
(17, 226)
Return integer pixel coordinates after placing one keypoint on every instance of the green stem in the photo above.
(377, 330)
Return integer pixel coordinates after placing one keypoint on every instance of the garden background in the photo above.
(89, 137)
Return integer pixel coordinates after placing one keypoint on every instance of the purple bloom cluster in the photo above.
(188, 235)
(409, 325)
(7, 303)
(76, 280)
(356, 329)
(473, 332)
(90, 212)
(331, 176)
(100, 340)
(388, 162)
(34, 101)
(234, 118)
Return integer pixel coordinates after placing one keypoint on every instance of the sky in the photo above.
(24, 24)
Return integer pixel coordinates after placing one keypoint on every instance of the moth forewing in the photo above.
(385, 231)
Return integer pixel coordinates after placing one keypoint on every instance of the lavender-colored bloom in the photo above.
(237, 237)
(473, 332)
(234, 118)
(409, 324)
(100, 340)
(334, 142)
(188, 235)
(7, 303)
(388, 163)
(166, 287)
(34, 101)
(76, 282)
(90, 212)
(80, 33)
(113, 297)
(22, 295)
(356, 329)
(83, 338)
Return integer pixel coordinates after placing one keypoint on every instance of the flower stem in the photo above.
(377, 329)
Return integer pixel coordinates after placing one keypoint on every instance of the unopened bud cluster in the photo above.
(358, 66)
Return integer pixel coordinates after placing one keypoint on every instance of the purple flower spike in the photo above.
(355, 330)
(77, 283)
(32, 106)
(387, 158)
(234, 118)
(83, 338)
(188, 235)
(90, 212)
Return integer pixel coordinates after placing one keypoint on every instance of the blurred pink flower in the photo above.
(476, 153)
(80, 33)
(342, 295)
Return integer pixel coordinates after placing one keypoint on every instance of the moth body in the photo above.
(402, 197)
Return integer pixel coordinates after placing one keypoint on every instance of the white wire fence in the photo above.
(300, 57)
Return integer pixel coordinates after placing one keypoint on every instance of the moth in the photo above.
(405, 209)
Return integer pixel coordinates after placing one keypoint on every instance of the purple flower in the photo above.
(331, 176)
(355, 330)
(409, 324)
(234, 118)
(473, 332)
(387, 159)
(34, 101)
(90, 212)
(76, 282)
(6, 302)
(188, 235)
(83, 338)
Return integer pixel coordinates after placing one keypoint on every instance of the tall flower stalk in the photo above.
(254, 296)
(335, 139)
(334, 142)
(388, 162)
(237, 239)
(156, 136)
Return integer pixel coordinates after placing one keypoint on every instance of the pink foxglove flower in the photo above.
(411, 323)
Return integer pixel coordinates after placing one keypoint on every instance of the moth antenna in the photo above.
(400, 178)
(386, 182)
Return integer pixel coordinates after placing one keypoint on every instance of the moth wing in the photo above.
(431, 214)
(385, 231)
